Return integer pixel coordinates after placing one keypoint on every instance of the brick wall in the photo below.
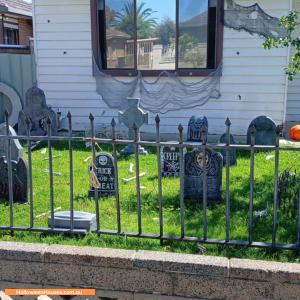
(142, 275)
(25, 31)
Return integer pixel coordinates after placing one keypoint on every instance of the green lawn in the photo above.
(264, 184)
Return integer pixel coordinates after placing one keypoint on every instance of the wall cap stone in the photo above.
(194, 265)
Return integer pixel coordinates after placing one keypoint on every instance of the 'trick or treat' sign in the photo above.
(105, 172)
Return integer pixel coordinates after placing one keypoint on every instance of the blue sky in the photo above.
(166, 8)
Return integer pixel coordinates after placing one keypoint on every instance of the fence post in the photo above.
(113, 129)
(50, 171)
(137, 174)
(91, 117)
(252, 133)
(275, 203)
(228, 124)
(69, 116)
(181, 162)
(204, 142)
(160, 198)
(29, 145)
(10, 175)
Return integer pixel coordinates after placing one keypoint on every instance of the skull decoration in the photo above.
(103, 160)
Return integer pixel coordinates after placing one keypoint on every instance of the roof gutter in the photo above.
(14, 11)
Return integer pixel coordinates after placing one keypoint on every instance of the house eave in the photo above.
(14, 11)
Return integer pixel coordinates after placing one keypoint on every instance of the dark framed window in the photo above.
(11, 36)
(182, 36)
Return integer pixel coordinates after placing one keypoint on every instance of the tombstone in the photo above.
(19, 180)
(232, 152)
(37, 111)
(133, 115)
(195, 128)
(170, 161)
(16, 148)
(82, 220)
(193, 175)
(105, 173)
(265, 131)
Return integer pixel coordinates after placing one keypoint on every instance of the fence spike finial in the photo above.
(279, 130)
(113, 123)
(135, 127)
(180, 127)
(27, 120)
(228, 122)
(157, 119)
(91, 117)
(49, 120)
(69, 115)
(252, 130)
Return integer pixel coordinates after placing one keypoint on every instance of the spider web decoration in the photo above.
(170, 92)
(252, 19)
(167, 92)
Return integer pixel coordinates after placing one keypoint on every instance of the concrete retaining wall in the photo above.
(137, 275)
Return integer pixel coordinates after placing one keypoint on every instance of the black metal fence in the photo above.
(181, 144)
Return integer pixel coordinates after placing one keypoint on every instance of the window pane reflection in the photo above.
(120, 32)
(156, 34)
(193, 23)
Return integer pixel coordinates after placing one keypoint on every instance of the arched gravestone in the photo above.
(193, 175)
(15, 103)
(19, 180)
(265, 131)
(195, 128)
(37, 111)
(105, 172)
(232, 152)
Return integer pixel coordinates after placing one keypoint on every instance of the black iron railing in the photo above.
(181, 145)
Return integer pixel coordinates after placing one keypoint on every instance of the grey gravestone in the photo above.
(82, 220)
(232, 152)
(193, 175)
(133, 115)
(37, 111)
(195, 128)
(16, 148)
(170, 161)
(105, 172)
(19, 180)
(265, 131)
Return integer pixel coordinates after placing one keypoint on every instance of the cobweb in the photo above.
(170, 92)
(252, 19)
(167, 92)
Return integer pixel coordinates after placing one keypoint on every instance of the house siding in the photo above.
(293, 102)
(253, 82)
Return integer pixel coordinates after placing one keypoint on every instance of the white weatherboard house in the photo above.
(72, 34)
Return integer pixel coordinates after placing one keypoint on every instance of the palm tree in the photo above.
(146, 24)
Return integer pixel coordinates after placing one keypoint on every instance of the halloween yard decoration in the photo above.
(133, 116)
(37, 111)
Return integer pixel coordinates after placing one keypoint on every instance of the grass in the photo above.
(239, 189)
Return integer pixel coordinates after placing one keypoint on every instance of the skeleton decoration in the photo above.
(252, 19)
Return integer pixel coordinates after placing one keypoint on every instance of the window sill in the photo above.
(154, 73)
